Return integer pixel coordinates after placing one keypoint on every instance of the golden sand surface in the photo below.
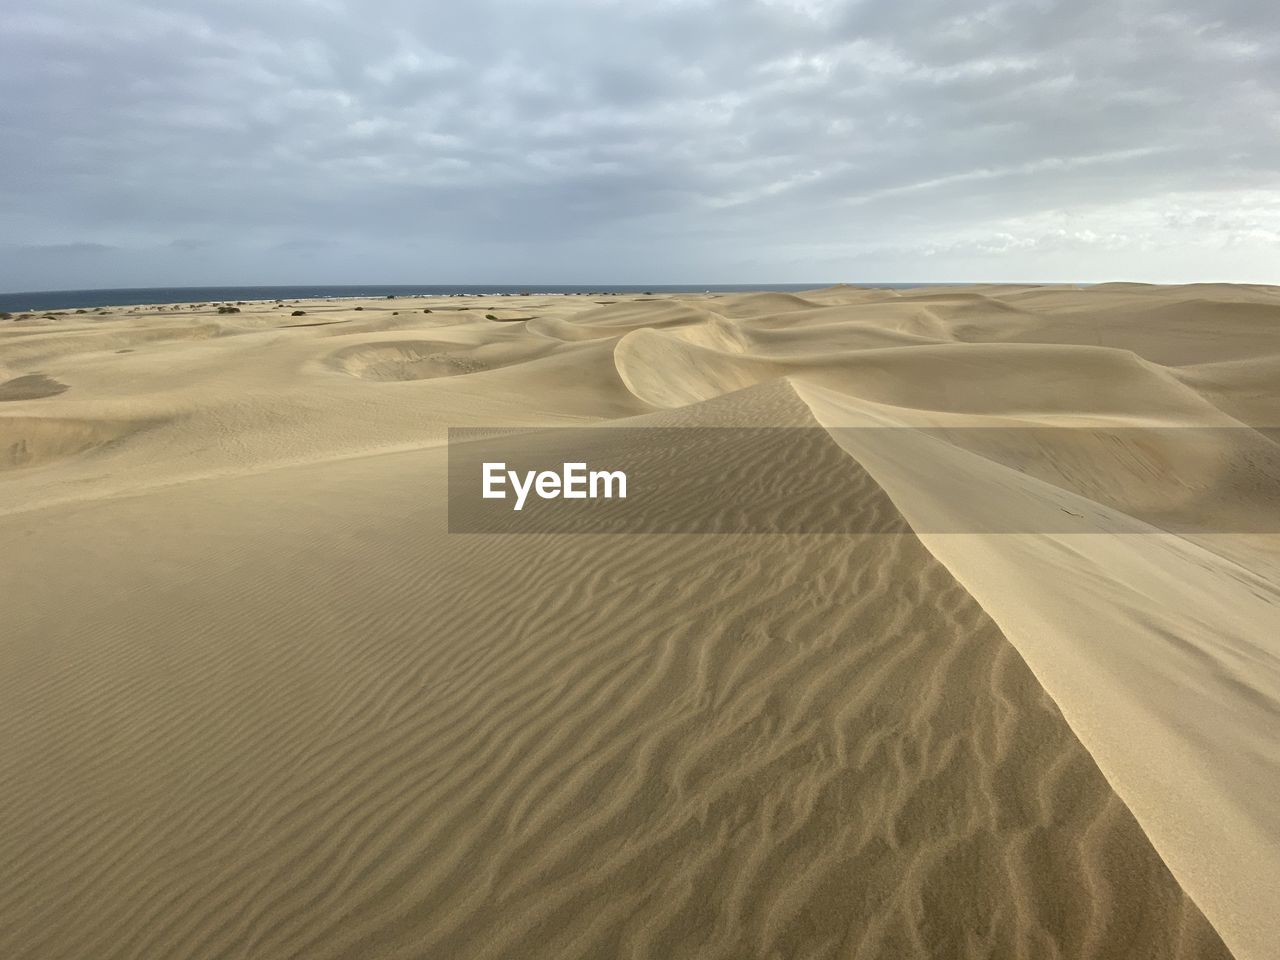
(257, 701)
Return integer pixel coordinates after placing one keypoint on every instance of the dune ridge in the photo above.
(257, 701)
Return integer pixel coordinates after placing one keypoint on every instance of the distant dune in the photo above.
(256, 700)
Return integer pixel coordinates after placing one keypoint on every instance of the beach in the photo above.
(258, 700)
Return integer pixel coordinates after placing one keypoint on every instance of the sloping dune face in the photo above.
(256, 700)
(425, 359)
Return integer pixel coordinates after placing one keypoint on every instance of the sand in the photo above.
(257, 701)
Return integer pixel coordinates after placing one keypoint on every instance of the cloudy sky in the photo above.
(647, 141)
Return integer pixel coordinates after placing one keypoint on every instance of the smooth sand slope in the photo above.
(257, 701)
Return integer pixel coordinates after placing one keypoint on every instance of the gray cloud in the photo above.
(592, 140)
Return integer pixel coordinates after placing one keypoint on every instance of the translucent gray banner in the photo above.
(719, 480)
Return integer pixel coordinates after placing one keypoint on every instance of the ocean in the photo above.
(73, 299)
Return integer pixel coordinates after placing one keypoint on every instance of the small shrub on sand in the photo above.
(227, 309)
(298, 313)
(4, 315)
(82, 311)
(359, 308)
(427, 310)
(490, 316)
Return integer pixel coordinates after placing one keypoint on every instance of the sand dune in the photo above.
(424, 359)
(256, 700)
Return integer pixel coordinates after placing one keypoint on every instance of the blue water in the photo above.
(72, 299)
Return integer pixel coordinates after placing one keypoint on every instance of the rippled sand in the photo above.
(257, 701)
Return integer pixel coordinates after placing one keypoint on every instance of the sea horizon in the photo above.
(34, 300)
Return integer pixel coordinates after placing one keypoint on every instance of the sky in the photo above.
(647, 141)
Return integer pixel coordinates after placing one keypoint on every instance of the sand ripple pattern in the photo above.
(551, 746)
